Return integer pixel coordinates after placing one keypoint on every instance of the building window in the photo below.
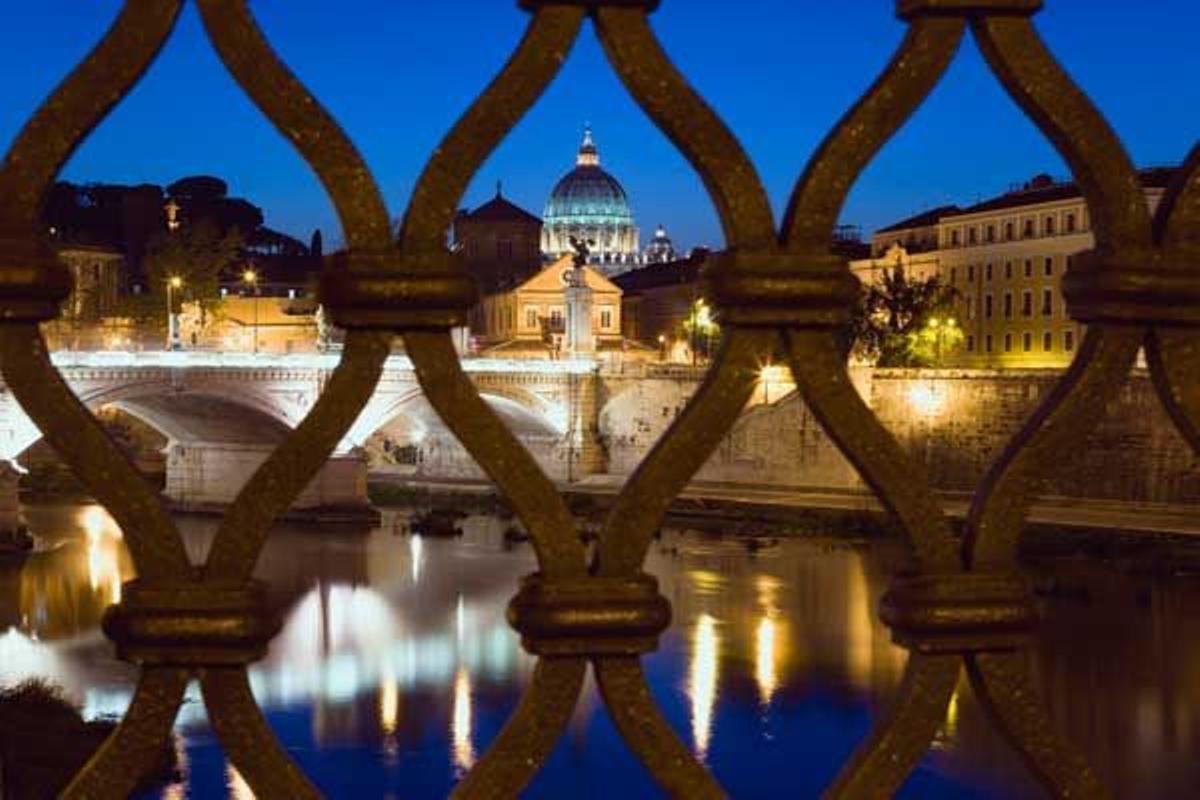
(1027, 342)
(971, 273)
(1047, 341)
(1069, 341)
(606, 319)
(991, 233)
(953, 275)
(954, 238)
(1029, 268)
(1008, 342)
(988, 272)
(987, 343)
(971, 307)
(531, 317)
(1048, 266)
(987, 306)
(970, 343)
(1008, 231)
(1008, 305)
(1048, 226)
(972, 236)
(1027, 231)
(1047, 302)
(1070, 223)
(1008, 270)
(1027, 304)
(556, 317)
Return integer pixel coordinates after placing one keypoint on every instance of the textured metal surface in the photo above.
(781, 296)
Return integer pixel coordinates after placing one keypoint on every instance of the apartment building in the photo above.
(1005, 257)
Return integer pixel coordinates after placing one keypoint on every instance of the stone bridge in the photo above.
(223, 413)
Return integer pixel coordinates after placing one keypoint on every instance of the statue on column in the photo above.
(580, 338)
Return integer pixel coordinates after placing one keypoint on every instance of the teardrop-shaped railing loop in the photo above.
(745, 213)
(820, 371)
(360, 207)
(54, 132)
(538, 58)
(1122, 229)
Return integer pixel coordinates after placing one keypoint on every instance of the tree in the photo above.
(198, 255)
(901, 322)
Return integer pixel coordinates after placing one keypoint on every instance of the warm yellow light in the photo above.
(462, 749)
(927, 399)
(176, 281)
(389, 704)
(702, 682)
(933, 323)
(250, 276)
(952, 322)
(765, 674)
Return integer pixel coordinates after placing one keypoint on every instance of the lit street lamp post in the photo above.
(251, 279)
(173, 342)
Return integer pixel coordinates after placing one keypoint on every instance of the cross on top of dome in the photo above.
(589, 156)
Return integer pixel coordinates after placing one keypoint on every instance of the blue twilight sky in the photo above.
(397, 73)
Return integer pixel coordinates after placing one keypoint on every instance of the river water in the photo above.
(395, 667)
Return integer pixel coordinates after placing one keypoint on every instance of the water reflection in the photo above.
(460, 729)
(395, 667)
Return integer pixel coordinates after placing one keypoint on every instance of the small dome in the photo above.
(661, 250)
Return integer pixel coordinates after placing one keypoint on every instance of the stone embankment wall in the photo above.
(953, 422)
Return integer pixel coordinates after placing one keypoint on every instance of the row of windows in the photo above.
(1010, 269)
(1046, 308)
(1008, 232)
(1068, 342)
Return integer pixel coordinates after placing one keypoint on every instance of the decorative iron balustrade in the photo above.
(778, 291)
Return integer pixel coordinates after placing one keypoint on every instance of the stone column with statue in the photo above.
(580, 339)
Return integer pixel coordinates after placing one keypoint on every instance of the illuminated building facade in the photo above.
(532, 318)
(1005, 258)
(590, 204)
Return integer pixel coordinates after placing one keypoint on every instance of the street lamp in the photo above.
(250, 277)
(174, 282)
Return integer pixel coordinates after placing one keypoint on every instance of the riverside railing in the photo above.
(778, 290)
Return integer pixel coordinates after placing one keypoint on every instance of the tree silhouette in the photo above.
(199, 255)
(891, 324)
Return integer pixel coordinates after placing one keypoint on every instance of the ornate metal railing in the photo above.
(779, 293)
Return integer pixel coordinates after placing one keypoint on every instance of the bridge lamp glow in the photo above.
(250, 277)
(175, 282)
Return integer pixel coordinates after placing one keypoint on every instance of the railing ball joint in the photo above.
(391, 291)
(33, 282)
(781, 290)
(1143, 291)
(960, 612)
(595, 616)
(191, 625)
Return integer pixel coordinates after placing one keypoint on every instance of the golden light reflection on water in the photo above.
(765, 642)
(462, 750)
(389, 703)
(103, 551)
(702, 680)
